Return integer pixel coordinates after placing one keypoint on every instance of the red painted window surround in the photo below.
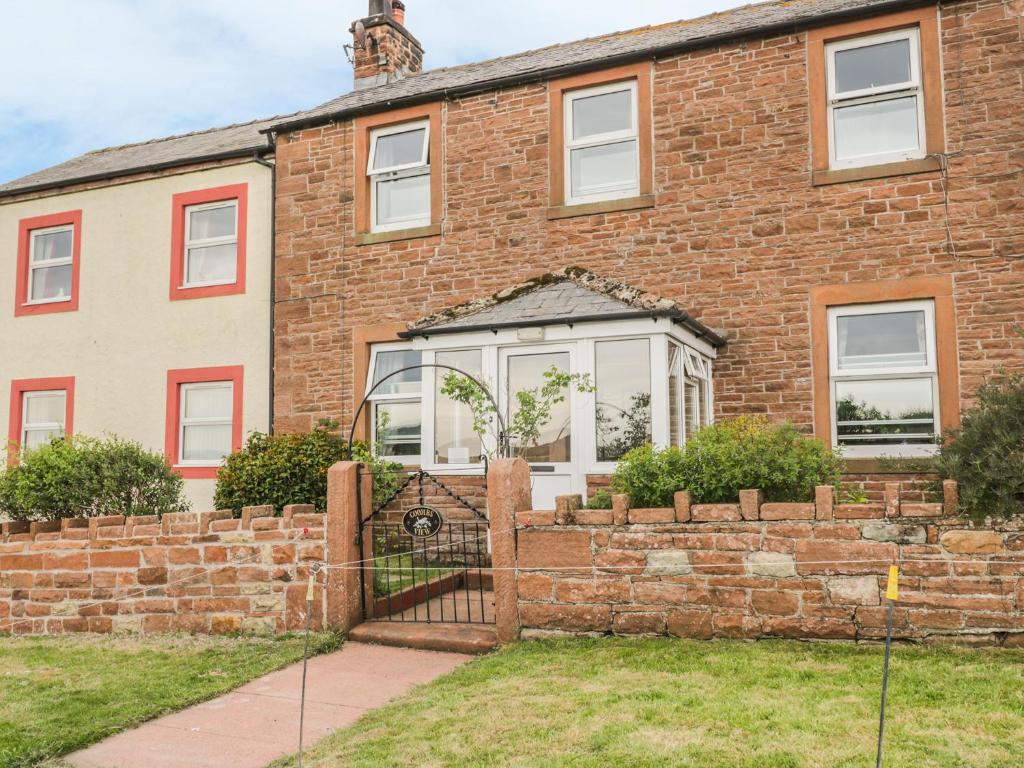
(20, 386)
(179, 203)
(175, 378)
(25, 228)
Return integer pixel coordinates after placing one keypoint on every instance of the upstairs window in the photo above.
(208, 242)
(48, 263)
(884, 378)
(395, 419)
(876, 108)
(602, 149)
(211, 244)
(399, 172)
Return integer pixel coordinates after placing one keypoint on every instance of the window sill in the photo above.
(604, 206)
(193, 472)
(894, 465)
(207, 291)
(903, 168)
(371, 238)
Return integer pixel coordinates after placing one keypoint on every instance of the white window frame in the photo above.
(404, 170)
(34, 266)
(398, 397)
(201, 421)
(912, 87)
(611, 137)
(927, 371)
(41, 426)
(429, 409)
(582, 339)
(208, 241)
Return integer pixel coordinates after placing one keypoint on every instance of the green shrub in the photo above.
(599, 499)
(985, 454)
(292, 469)
(650, 476)
(721, 460)
(89, 477)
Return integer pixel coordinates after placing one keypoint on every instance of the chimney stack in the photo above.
(384, 50)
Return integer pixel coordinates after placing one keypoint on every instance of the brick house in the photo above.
(828, 191)
(137, 298)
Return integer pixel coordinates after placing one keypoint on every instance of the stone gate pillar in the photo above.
(344, 485)
(508, 493)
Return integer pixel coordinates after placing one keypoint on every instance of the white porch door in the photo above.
(555, 460)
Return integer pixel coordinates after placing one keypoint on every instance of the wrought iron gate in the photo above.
(419, 566)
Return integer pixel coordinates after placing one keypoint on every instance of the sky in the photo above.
(86, 74)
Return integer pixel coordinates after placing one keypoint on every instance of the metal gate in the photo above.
(420, 566)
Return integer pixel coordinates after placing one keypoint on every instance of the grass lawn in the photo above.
(61, 693)
(621, 702)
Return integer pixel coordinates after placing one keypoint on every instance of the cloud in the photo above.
(84, 75)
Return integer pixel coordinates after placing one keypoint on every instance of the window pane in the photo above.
(405, 382)
(37, 437)
(47, 246)
(527, 372)
(890, 411)
(206, 442)
(873, 66)
(675, 395)
(605, 113)
(623, 410)
(212, 264)
(211, 222)
(694, 408)
(406, 199)
(876, 128)
(51, 283)
(455, 442)
(398, 428)
(45, 409)
(605, 168)
(885, 340)
(399, 149)
(208, 402)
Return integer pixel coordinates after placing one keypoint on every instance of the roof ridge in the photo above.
(187, 134)
(579, 41)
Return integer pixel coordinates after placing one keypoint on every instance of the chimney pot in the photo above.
(398, 11)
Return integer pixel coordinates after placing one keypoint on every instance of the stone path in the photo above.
(254, 724)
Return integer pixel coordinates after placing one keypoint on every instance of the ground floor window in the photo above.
(650, 382)
(883, 378)
(41, 409)
(204, 418)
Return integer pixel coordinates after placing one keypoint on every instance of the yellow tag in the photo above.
(893, 590)
(309, 589)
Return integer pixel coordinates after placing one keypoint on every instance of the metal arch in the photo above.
(502, 435)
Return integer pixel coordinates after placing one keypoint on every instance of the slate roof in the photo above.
(571, 296)
(596, 52)
(215, 143)
(592, 53)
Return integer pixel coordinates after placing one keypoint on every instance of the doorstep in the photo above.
(433, 636)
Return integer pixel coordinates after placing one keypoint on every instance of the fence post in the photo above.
(344, 608)
(508, 493)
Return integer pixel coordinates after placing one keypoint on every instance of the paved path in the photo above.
(259, 722)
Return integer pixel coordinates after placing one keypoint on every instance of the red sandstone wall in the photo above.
(738, 235)
(186, 572)
(774, 570)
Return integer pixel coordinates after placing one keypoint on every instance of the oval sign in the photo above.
(422, 522)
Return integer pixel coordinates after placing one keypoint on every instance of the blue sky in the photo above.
(84, 75)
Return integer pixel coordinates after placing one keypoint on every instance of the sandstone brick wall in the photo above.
(754, 570)
(194, 572)
(738, 234)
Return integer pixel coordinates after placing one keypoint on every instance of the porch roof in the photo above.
(560, 298)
